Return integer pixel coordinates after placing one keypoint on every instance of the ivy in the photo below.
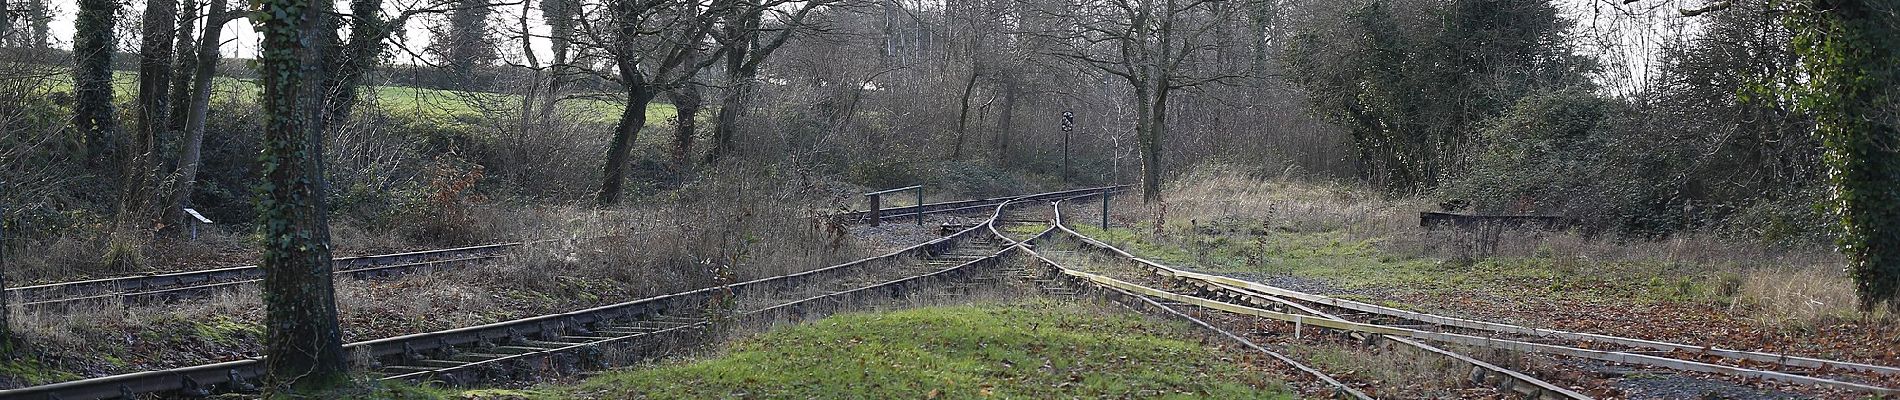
(1850, 54)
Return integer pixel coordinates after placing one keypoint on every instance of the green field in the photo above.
(444, 107)
(1037, 350)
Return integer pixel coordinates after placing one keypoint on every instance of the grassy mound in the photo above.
(1033, 350)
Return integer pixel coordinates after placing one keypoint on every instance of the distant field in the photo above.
(442, 106)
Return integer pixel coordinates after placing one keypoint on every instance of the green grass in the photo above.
(1042, 350)
(29, 371)
(1339, 259)
(1025, 230)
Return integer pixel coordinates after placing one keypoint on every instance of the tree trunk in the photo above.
(559, 17)
(204, 70)
(1151, 149)
(1848, 50)
(687, 101)
(185, 56)
(626, 133)
(6, 330)
(1006, 123)
(1151, 123)
(303, 346)
(6, 22)
(136, 218)
(346, 68)
(41, 36)
(963, 116)
(731, 105)
(534, 71)
(93, 116)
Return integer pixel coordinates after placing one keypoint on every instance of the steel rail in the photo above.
(1434, 319)
(103, 288)
(897, 287)
(1217, 282)
(1144, 303)
(1507, 378)
(1487, 342)
(159, 296)
(1779, 359)
(233, 375)
(912, 211)
(138, 283)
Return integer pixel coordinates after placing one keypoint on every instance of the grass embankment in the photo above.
(1026, 350)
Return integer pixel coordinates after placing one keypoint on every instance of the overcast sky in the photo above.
(1625, 35)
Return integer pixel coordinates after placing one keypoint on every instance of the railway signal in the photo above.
(1068, 125)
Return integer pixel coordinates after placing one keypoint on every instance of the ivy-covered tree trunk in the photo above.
(560, 18)
(1851, 50)
(93, 116)
(345, 68)
(303, 346)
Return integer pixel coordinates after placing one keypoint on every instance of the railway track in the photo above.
(150, 289)
(1052, 281)
(165, 287)
(1235, 296)
(614, 333)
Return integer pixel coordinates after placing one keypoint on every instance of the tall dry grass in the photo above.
(735, 224)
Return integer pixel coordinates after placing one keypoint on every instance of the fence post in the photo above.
(1104, 210)
(875, 218)
(920, 205)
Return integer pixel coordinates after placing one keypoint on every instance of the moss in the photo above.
(224, 330)
(29, 371)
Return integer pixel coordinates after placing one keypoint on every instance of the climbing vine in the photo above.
(303, 344)
(1850, 54)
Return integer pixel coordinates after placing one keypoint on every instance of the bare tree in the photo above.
(1152, 45)
(204, 68)
(745, 48)
(649, 45)
(561, 17)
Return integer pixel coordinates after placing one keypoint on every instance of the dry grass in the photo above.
(750, 223)
(1773, 284)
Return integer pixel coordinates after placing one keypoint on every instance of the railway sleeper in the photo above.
(517, 349)
(441, 363)
(477, 357)
(626, 331)
(405, 369)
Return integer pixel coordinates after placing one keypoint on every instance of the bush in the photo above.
(1573, 154)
